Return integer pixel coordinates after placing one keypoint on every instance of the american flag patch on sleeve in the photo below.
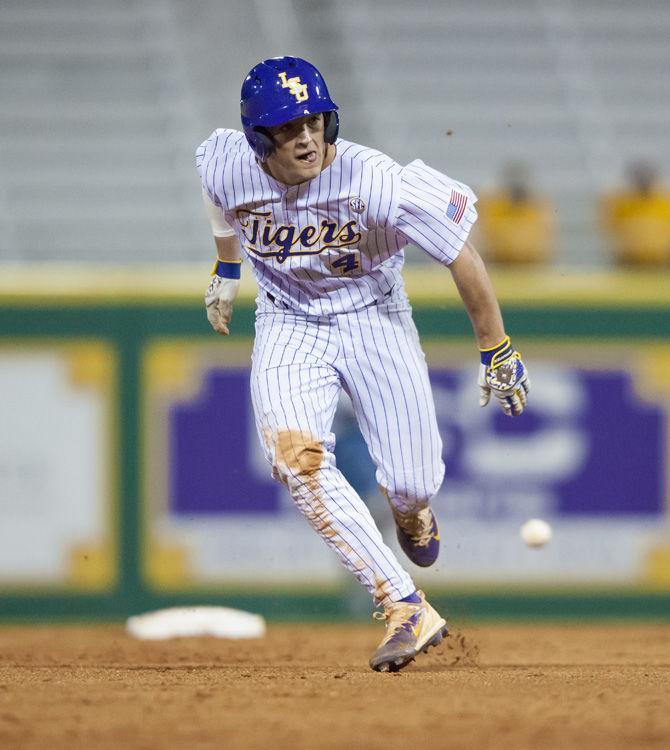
(456, 207)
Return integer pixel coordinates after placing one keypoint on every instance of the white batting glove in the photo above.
(221, 294)
(503, 374)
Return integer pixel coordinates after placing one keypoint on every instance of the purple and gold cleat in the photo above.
(418, 535)
(410, 628)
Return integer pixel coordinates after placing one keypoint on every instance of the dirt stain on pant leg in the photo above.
(379, 593)
(301, 454)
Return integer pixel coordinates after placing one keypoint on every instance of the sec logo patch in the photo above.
(357, 205)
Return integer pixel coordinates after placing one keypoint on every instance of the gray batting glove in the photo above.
(219, 299)
(503, 374)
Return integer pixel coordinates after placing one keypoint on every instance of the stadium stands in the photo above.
(103, 104)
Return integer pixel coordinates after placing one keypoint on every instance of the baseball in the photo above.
(536, 532)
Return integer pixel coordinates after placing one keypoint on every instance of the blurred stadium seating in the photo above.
(103, 104)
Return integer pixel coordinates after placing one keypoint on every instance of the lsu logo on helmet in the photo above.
(298, 89)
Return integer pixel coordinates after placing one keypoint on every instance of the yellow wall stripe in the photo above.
(430, 284)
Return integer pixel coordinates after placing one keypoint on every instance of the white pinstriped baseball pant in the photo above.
(300, 363)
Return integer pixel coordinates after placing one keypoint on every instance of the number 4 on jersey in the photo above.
(346, 263)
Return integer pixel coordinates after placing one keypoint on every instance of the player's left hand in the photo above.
(503, 374)
(219, 299)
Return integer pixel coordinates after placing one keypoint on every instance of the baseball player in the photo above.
(323, 223)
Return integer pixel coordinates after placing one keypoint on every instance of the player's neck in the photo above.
(331, 151)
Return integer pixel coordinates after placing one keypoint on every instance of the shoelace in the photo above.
(397, 611)
(396, 617)
(419, 526)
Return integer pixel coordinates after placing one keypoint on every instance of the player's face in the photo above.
(300, 150)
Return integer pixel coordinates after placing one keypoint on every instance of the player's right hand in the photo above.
(503, 374)
(219, 298)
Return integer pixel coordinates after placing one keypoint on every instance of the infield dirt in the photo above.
(512, 687)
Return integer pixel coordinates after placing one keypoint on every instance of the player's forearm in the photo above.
(227, 245)
(479, 298)
(228, 248)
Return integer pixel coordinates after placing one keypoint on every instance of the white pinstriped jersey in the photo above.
(334, 244)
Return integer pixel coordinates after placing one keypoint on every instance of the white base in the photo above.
(180, 622)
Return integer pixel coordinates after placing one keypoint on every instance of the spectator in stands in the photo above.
(636, 219)
(516, 226)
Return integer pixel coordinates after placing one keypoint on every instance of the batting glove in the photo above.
(503, 374)
(221, 294)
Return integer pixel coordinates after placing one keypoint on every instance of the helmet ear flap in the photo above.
(331, 126)
(261, 141)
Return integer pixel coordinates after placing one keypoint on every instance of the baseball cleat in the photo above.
(410, 628)
(418, 535)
